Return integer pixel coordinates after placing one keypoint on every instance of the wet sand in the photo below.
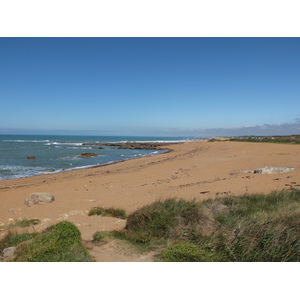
(192, 170)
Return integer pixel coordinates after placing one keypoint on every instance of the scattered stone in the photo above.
(273, 170)
(8, 253)
(13, 210)
(31, 157)
(39, 198)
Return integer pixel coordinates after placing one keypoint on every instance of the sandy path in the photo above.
(191, 170)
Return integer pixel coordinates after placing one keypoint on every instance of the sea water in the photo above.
(60, 153)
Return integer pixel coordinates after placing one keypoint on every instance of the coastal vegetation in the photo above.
(247, 228)
(58, 243)
(109, 212)
(287, 139)
(23, 222)
(14, 239)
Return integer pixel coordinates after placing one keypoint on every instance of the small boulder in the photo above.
(8, 253)
(39, 198)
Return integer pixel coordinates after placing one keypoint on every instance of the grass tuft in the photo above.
(187, 252)
(14, 239)
(58, 243)
(23, 222)
(110, 212)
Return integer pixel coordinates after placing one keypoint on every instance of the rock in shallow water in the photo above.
(87, 154)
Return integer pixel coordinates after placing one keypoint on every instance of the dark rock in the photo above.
(144, 146)
(86, 154)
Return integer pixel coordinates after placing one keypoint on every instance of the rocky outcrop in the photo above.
(273, 170)
(144, 146)
(39, 198)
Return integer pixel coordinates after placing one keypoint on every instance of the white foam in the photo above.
(26, 141)
(67, 144)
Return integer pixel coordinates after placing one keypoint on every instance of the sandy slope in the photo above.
(191, 170)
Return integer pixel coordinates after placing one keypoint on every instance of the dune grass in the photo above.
(247, 228)
(13, 239)
(23, 222)
(58, 243)
(110, 212)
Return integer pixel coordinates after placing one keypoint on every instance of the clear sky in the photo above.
(150, 86)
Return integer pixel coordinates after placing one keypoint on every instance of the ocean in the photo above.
(59, 153)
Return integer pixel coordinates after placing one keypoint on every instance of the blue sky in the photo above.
(150, 86)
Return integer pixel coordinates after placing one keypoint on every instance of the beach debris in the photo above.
(273, 170)
(8, 253)
(39, 198)
(31, 157)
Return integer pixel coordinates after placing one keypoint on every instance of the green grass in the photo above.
(110, 212)
(288, 139)
(14, 239)
(23, 222)
(187, 252)
(163, 220)
(247, 228)
(58, 243)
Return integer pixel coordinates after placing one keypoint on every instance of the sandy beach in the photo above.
(192, 170)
